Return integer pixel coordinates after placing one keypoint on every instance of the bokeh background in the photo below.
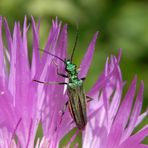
(121, 23)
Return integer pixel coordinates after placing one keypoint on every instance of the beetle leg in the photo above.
(88, 99)
(78, 70)
(72, 122)
(60, 83)
(58, 73)
(63, 111)
(62, 114)
(83, 78)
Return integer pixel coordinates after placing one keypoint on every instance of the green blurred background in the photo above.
(121, 23)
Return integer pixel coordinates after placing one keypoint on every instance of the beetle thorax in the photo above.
(71, 68)
(75, 83)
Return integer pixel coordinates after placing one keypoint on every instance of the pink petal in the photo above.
(2, 69)
(12, 77)
(8, 35)
(136, 139)
(134, 146)
(125, 108)
(119, 55)
(100, 83)
(35, 53)
(85, 64)
(141, 117)
(25, 30)
(8, 117)
(135, 112)
(117, 94)
(50, 45)
(114, 136)
(50, 119)
(62, 44)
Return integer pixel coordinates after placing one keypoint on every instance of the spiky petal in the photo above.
(113, 124)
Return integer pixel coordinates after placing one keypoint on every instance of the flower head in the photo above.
(26, 104)
(115, 120)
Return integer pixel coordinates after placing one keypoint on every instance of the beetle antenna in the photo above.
(52, 54)
(76, 39)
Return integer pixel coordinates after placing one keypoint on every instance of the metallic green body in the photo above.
(75, 91)
(76, 94)
(77, 105)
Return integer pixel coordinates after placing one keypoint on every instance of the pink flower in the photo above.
(115, 119)
(25, 104)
